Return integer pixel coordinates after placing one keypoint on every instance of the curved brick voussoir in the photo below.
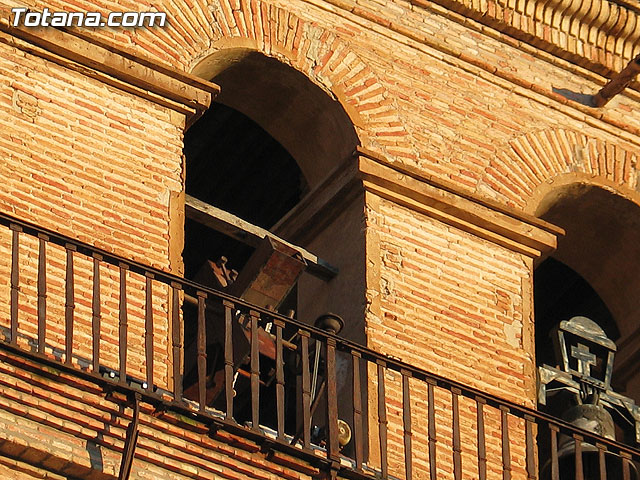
(323, 57)
(532, 160)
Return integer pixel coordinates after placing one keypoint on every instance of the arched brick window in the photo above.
(593, 274)
(258, 163)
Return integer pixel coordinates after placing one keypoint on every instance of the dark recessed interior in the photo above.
(602, 245)
(593, 273)
(235, 165)
(560, 294)
(307, 121)
(272, 136)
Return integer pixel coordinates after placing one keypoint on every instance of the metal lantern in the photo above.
(586, 358)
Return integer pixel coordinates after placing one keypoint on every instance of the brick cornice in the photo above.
(509, 228)
(591, 36)
(410, 188)
(161, 84)
(503, 77)
(599, 35)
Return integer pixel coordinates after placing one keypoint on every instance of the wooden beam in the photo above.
(249, 234)
(322, 205)
(617, 84)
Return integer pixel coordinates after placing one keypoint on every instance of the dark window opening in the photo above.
(560, 294)
(272, 137)
(236, 166)
(233, 164)
(592, 274)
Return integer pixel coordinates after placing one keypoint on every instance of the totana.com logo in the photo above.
(25, 17)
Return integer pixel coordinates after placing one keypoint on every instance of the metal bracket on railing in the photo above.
(130, 441)
(334, 468)
(159, 410)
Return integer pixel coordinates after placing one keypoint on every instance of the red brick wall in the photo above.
(424, 87)
(450, 100)
(69, 429)
(86, 159)
(98, 165)
(452, 304)
(455, 305)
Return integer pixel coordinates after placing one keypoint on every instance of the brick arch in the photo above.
(528, 166)
(323, 57)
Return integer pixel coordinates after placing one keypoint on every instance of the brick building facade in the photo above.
(437, 164)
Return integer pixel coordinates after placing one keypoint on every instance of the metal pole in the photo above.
(617, 84)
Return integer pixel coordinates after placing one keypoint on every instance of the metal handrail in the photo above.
(332, 346)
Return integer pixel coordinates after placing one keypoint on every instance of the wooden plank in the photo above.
(626, 465)
(531, 449)
(406, 422)
(95, 313)
(431, 419)
(506, 446)
(602, 462)
(578, 455)
(176, 340)
(202, 351)
(255, 372)
(249, 234)
(333, 447)
(456, 440)
(228, 359)
(555, 466)
(42, 291)
(306, 390)
(279, 324)
(382, 420)
(148, 329)
(358, 436)
(482, 448)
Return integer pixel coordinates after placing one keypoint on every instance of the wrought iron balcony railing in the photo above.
(276, 380)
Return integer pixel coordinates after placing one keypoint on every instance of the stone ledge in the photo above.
(599, 35)
(160, 84)
(490, 220)
(506, 227)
